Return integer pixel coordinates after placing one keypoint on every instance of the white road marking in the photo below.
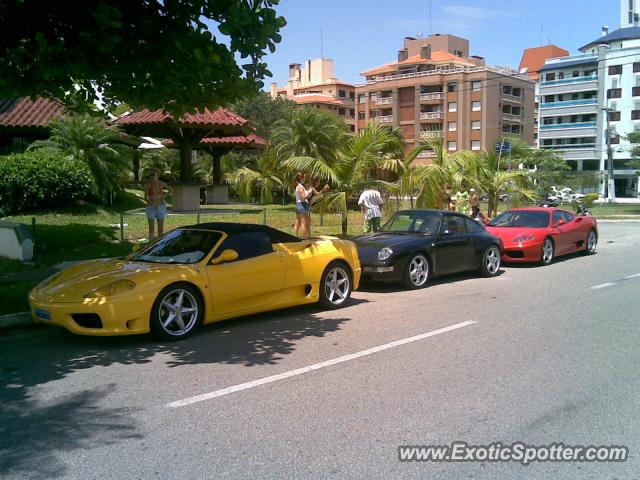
(602, 285)
(316, 366)
(632, 276)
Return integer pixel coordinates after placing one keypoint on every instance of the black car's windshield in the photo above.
(179, 246)
(415, 221)
(521, 218)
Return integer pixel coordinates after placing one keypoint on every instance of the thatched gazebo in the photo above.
(187, 132)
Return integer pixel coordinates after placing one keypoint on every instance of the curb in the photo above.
(16, 320)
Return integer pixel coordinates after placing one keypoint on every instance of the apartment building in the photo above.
(532, 60)
(314, 84)
(435, 89)
(576, 94)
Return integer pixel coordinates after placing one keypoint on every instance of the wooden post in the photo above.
(121, 227)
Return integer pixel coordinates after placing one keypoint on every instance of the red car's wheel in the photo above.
(546, 255)
(591, 242)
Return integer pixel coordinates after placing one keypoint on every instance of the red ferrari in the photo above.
(541, 234)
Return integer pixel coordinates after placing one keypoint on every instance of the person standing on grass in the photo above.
(371, 204)
(314, 193)
(154, 193)
(474, 200)
(303, 209)
(462, 200)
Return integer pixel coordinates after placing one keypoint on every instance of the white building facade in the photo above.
(575, 94)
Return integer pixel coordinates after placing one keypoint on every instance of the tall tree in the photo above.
(357, 162)
(178, 55)
(264, 112)
(92, 141)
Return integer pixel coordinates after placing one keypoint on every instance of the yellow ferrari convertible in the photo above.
(194, 275)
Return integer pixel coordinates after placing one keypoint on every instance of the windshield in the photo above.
(179, 246)
(408, 222)
(521, 218)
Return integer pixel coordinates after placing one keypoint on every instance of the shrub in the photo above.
(42, 178)
(589, 199)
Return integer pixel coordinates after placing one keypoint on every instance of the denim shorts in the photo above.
(303, 207)
(158, 212)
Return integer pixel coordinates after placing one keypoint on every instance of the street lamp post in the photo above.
(611, 190)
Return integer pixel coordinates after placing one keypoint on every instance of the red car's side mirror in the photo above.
(559, 223)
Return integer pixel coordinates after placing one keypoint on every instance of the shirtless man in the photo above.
(154, 192)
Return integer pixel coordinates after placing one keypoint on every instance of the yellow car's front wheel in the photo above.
(177, 312)
(335, 285)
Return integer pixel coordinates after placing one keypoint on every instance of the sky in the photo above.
(361, 34)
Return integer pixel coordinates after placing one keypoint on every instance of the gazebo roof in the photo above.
(26, 113)
(207, 119)
(249, 141)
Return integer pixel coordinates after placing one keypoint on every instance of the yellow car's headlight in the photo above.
(114, 288)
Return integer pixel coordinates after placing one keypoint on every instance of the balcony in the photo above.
(431, 96)
(430, 134)
(575, 153)
(384, 100)
(570, 103)
(384, 118)
(576, 129)
(511, 98)
(509, 117)
(427, 154)
(431, 115)
(565, 81)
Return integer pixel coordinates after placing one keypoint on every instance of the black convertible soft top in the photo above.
(230, 228)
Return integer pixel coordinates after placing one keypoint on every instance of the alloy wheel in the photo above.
(547, 251)
(492, 260)
(178, 312)
(337, 285)
(592, 242)
(418, 270)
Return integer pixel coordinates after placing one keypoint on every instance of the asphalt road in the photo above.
(548, 359)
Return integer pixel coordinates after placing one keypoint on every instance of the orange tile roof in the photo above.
(219, 117)
(437, 56)
(24, 112)
(533, 58)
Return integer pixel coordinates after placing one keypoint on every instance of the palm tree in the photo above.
(445, 169)
(266, 178)
(356, 163)
(92, 141)
(310, 133)
(488, 175)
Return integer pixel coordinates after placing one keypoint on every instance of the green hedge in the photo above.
(41, 179)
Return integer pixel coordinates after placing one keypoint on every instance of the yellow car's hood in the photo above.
(71, 284)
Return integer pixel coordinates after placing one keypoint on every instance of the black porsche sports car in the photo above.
(415, 245)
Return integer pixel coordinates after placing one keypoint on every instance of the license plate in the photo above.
(43, 314)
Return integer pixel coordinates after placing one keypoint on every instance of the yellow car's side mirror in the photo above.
(228, 255)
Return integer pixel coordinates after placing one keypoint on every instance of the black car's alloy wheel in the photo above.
(417, 272)
(490, 261)
(177, 312)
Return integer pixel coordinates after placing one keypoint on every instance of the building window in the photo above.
(614, 93)
(452, 146)
(550, 76)
(352, 95)
(635, 114)
(342, 93)
(360, 115)
(636, 67)
(453, 126)
(352, 112)
(476, 86)
(615, 69)
(341, 111)
(453, 107)
(475, 145)
(475, 125)
(362, 98)
(615, 116)
(575, 74)
(452, 87)
(476, 106)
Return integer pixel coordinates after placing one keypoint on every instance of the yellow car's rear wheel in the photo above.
(335, 285)
(177, 312)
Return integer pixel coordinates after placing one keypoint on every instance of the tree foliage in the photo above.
(264, 112)
(42, 179)
(90, 140)
(175, 54)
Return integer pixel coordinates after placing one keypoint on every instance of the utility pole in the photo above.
(611, 190)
